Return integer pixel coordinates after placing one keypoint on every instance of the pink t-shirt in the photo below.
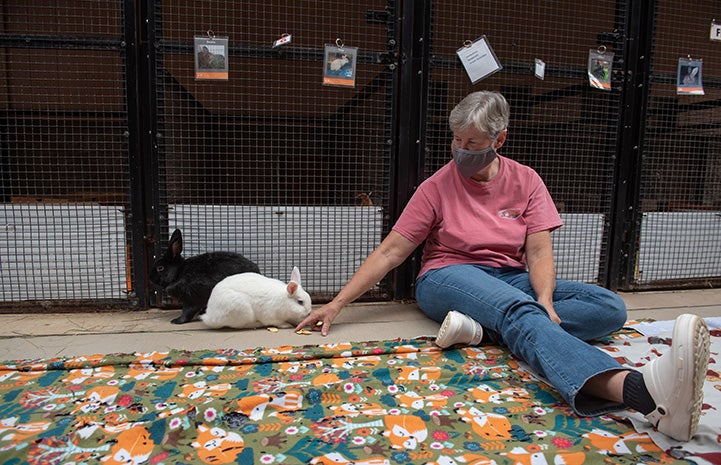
(467, 222)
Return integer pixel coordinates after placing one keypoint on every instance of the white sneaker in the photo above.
(675, 380)
(458, 328)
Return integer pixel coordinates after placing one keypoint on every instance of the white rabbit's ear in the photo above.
(292, 287)
(295, 275)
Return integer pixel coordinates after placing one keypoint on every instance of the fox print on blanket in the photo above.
(216, 445)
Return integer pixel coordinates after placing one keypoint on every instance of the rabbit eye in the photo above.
(301, 302)
(160, 268)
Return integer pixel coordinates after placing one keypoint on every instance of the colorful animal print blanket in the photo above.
(389, 402)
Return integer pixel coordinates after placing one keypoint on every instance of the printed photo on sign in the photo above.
(339, 66)
(689, 77)
(600, 64)
(211, 58)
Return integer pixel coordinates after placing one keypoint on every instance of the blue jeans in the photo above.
(504, 303)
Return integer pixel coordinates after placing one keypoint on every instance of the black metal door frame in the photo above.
(626, 215)
(411, 106)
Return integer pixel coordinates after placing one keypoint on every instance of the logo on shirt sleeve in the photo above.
(510, 213)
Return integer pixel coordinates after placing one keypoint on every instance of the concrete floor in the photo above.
(31, 336)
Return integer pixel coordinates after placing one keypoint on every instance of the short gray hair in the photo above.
(486, 111)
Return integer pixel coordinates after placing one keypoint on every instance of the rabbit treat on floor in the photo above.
(250, 300)
(191, 280)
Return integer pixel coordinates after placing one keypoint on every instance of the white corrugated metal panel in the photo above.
(319, 240)
(326, 243)
(77, 251)
(577, 246)
(62, 251)
(679, 245)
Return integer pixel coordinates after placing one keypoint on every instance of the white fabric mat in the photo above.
(705, 446)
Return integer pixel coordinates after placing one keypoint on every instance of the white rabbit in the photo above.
(251, 300)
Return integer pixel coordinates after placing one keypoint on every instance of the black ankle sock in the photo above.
(635, 394)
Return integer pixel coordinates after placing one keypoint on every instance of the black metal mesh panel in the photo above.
(64, 131)
(277, 166)
(271, 163)
(680, 235)
(560, 126)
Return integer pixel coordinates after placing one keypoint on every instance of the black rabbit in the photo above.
(191, 280)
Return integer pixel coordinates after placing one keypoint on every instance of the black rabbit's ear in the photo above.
(175, 246)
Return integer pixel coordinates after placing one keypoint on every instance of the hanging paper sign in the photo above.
(540, 71)
(339, 65)
(688, 81)
(600, 65)
(478, 59)
(284, 40)
(715, 31)
(211, 57)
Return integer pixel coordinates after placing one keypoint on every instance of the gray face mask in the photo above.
(470, 162)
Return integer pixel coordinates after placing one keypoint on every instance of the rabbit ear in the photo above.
(294, 283)
(175, 246)
(292, 287)
(295, 275)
